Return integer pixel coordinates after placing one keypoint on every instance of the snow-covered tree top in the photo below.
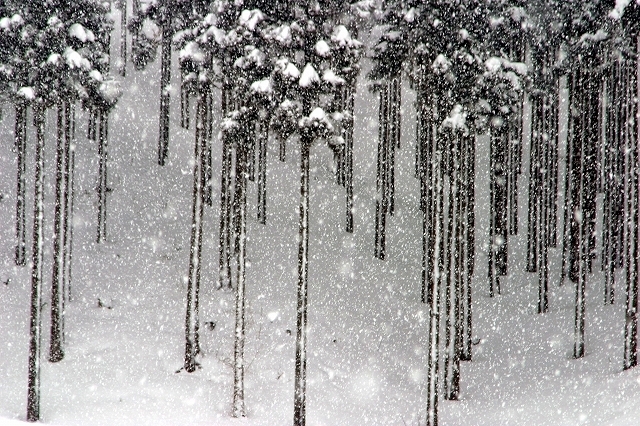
(56, 53)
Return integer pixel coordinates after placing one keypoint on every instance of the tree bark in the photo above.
(349, 157)
(192, 348)
(21, 146)
(238, 363)
(299, 397)
(35, 324)
(123, 36)
(224, 271)
(433, 299)
(103, 126)
(56, 350)
(165, 96)
(262, 136)
(631, 314)
(452, 328)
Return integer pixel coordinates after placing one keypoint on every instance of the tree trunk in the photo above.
(192, 348)
(35, 325)
(103, 126)
(224, 272)
(123, 36)
(433, 299)
(56, 350)
(262, 135)
(238, 363)
(299, 416)
(466, 265)
(69, 201)
(631, 314)
(165, 81)
(452, 328)
(382, 175)
(21, 146)
(349, 158)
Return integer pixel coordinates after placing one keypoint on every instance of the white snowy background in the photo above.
(367, 336)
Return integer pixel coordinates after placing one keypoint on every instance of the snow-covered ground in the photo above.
(367, 337)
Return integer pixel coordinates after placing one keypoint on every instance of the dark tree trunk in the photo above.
(452, 328)
(436, 239)
(35, 324)
(56, 350)
(123, 36)
(69, 201)
(578, 227)
(262, 136)
(21, 146)
(224, 272)
(300, 379)
(192, 348)
(393, 140)
(466, 264)
(184, 103)
(348, 149)
(568, 181)
(238, 363)
(165, 81)
(103, 126)
(498, 211)
(532, 223)
(631, 314)
(208, 135)
(382, 175)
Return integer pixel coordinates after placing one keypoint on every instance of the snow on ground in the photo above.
(367, 340)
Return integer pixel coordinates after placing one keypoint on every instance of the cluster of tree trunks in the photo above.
(388, 142)
(98, 130)
(344, 153)
(543, 173)
(505, 160)
(446, 163)
(618, 162)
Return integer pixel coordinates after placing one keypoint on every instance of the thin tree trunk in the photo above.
(103, 125)
(349, 157)
(382, 176)
(452, 328)
(579, 226)
(392, 140)
(568, 182)
(300, 379)
(123, 36)
(435, 284)
(631, 314)
(21, 145)
(195, 253)
(262, 136)
(35, 324)
(467, 273)
(69, 217)
(224, 271)
(56, 350)
(532, 224)
(165, 96)
(208, 135)
(239, 341)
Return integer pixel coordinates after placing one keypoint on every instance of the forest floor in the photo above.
(368, 329)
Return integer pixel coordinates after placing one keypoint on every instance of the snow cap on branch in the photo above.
(309, 76)
(456, 121)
